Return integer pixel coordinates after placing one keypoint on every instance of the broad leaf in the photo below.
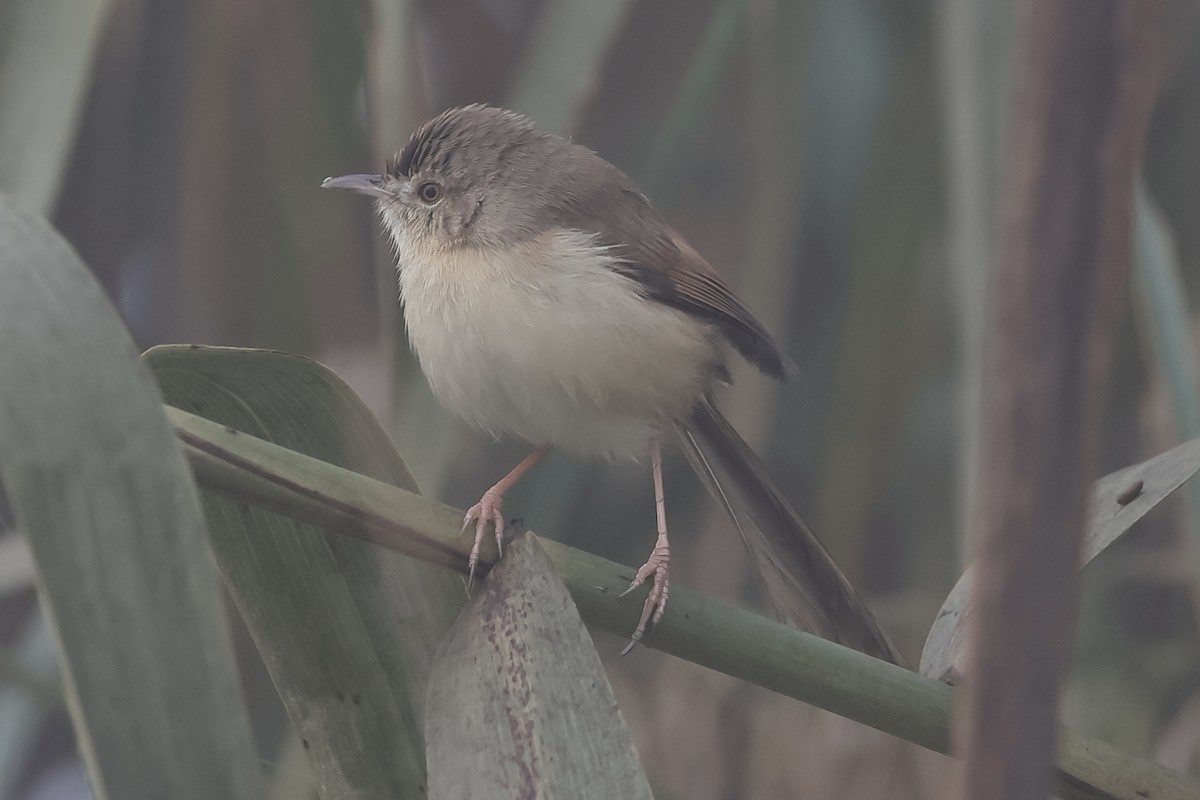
(348, 631)
(1118, 501)
(46, 49)
(99, 485)
(519, 705)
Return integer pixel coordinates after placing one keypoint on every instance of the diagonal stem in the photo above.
(701, 630)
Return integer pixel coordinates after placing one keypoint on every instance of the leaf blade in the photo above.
(100, 486)
(519, 705)
(562, 63)
(45, 68)
(347, 631)
(1110, 519)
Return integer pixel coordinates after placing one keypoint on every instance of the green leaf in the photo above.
(1160, 300)
(97, 482)
(1118, 501)
(46, 50)
(974, 43)
(390, 81)
(29, 677)
(519, 705)
(562, 63)
(707, 65)
(347, 631)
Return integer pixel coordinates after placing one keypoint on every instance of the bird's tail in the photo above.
(803, 586)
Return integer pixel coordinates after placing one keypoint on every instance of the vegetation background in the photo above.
(838, 161)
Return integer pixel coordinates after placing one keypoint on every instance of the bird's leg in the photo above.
(658, 563)
(488, 509)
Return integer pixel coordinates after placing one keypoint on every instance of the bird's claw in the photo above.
(487, 510)
(658, 566)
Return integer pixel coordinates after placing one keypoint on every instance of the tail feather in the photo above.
(803, 585)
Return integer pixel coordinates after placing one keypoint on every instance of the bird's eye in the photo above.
(429, 192)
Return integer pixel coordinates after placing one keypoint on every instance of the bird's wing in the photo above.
(669, 270)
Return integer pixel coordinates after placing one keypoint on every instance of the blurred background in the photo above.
(839, 162)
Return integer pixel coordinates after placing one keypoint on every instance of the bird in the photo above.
(546, 299)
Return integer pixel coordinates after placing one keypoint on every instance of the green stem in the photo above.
(697, 628)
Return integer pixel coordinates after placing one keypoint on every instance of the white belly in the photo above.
(554, 349)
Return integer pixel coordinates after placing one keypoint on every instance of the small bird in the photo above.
(546, 299)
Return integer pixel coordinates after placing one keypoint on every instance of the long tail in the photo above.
(803, 585)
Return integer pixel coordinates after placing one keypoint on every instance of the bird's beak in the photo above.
(366, 184)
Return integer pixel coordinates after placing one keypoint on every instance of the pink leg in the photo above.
(488, 509)
(659, 562)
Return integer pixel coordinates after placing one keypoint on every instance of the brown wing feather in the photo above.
(603, 200)
(675, 274)
(700, 289)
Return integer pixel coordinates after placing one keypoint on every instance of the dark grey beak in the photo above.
(366, 184)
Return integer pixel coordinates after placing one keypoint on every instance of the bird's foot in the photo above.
(658, 567)
(487, 510)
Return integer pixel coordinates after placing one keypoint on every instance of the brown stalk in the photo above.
(1088, 74)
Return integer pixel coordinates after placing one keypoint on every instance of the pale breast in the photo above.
(549, 344)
